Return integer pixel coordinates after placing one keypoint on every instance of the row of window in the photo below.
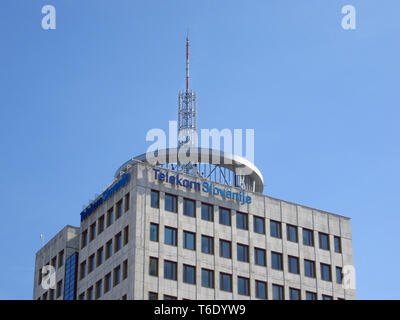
(225, 281)
(56, 262)
(261, 292)
(97, 227)
(242, 221)
(104, 285)
(53, 294)
(104, 253)
(260, 259)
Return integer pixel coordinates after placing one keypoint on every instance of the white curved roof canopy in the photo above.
(239, 165)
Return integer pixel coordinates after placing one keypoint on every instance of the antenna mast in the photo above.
(187, 113)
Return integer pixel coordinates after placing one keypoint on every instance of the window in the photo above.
(110, 217)
(225, 282)
(126, 235)
(207, 212)
(59, 289)
(242, 221)
(189, 274)
(225, 216)
(225, 249)
(338, 245)
(207, 278)
(259, 225)
(154, 232)
(153, 296)
(108, 249)
(243, 252)
(325, 297)
(82, 270)
(92, 233)
(293, 263)
(84, 239)
(81, 296)
(60, 258)
(171, 202)
(276, 259)
(294, 294)
(107, 282)
(170, 270)
(189, 208)
(118, 242)
(308, 237)
(311, 295)
(170, 236)
(189, 240)
(261, 289)
(291, 233)
(91, 263)
(339, 275)
(259, 257)
(118, 210)
(153, 267)
(243, 286)
(51, 294)
(124, 269)
(99, 289)
(309, 268)
(276, 229)
(117, 275)
(326, 272)
(89, 295)
(323, 241)
(44, 297)
(54, 262)
(155, 199)
(126, 201)
(277, 292)
(101, 224)
(207, 244)
(99, 260)
(167, 297)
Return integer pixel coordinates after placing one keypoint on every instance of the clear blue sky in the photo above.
(76, 102)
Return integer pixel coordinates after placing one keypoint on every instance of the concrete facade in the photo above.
(133, 257)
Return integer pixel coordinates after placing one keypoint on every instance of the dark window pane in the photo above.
(207, 278)
(293, 264)
(170, 236)
(261, 290)
(339, 275)
(189, 240)
(207, 212)
(309, 268)
(243, 253)
(326, 272)
(292, 233)
(225, 282)
(225, 249)
(259, 225)
(259, 256)
(154, 232)
(155, 199)
(243, 286)
(171, 203)
(311, 295)
(308, 237)
(323, 241)
(277, 292)
(189, 207)
(153, 267)
(338, 245)
(225, 216)
(294, 294)
(242, 221)
(276, 229)
(207, 245)
(189, 274)
(170, 270)
(276, 261)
